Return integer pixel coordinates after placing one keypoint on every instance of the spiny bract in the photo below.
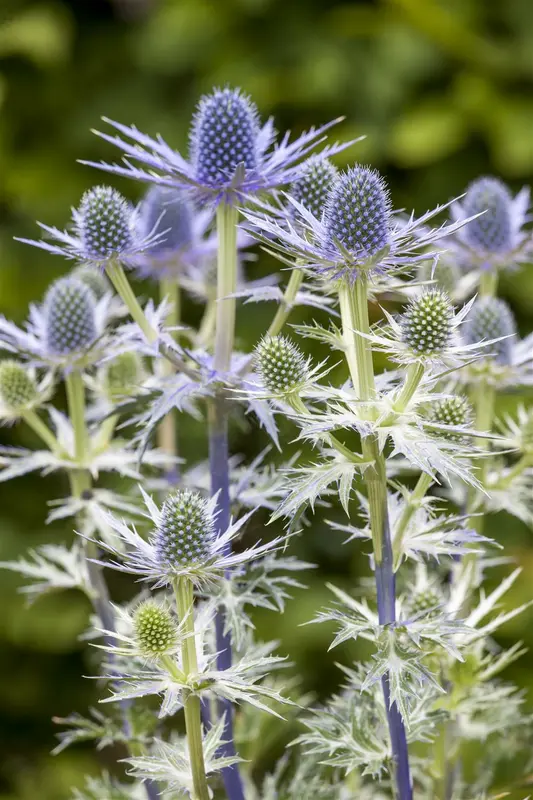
(314, 184)
(123, 375)
(186, 532)
(427, 323)
(357, 212)
(169, 211)
(104, 221)
(492, 231)
(69, 309)
(224, 135)
(17, 387)
(155, 629)
(280, 364)
(489, 319)
(453, 411)
(94, 278)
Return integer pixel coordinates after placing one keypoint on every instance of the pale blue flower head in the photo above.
(496, 238)
(357, 213)
(356, 232)
(70, 317)
(232, 155)
(491, 318)
(105, 227)
(312, 187)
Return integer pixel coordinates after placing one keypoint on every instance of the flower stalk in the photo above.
(219, 451)
(354, 313)
(183, 591)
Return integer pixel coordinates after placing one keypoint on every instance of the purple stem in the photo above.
(386, 593)
(220, 482)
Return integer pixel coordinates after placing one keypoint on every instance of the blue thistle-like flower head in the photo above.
(492, 232)
(105, 223)
(357, 212)
(169, 210)
(427, 324)
(314, 184)
(490, 318)
(224, 135)
(186, 532)
(69, 313)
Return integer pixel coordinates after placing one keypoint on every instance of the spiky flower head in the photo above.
(312, 187)
(357, 212)
(455, 411)
(18, 389)
(167, 210)
(491, 318)
(122, 375)
(427, 324)
(224, 135)
(94, 278)
(425, 599)
(69, 311)
(104, 221)
(186, 532)
(155, 629)
(281, 364)
(492, 232)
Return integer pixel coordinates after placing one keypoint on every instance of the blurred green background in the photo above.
(443, 89)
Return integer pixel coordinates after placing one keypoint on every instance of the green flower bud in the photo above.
(424, 599)
(155, 629)
(123, 375)
(445, 273)
(281, 365)
(427, 323)
(186, 533)
(17, 387)
(454, 411)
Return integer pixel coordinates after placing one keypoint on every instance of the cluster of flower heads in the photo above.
(340, 231)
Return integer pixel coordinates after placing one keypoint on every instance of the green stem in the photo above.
(285, 307)
(167, 432)
(355, 321)
(523, 463)
(226, 285)
(43, 431)
(76, 407)
(117, 276)
(415, 498)
(415, 373)
(169, 288)
(207, 325)
(488, 283)
(183, 589)
(484, 397)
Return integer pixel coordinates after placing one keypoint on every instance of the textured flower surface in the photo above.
(155, 629)
(188, 242)
(491, 318)
(70, 317)
(104, 227)
(158, 559)
(282, 366)
(232, 155)
(427, 325)
(18, 389)
(122, 376)
(498, 237)
(186, 532)
(94, 278)
(67, 328)
(356, 233)
(452, 412)
(312, 188)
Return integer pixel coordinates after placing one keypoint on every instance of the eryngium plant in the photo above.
(416, 456)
